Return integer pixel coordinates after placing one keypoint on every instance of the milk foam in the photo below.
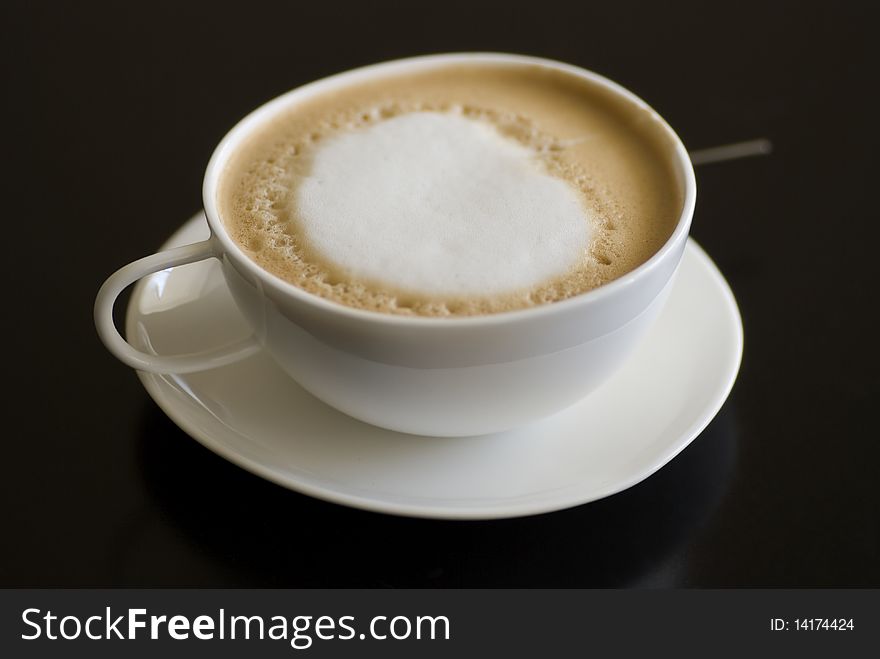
(439, 204)
(453, 191)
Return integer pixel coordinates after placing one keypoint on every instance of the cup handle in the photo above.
(142, 361)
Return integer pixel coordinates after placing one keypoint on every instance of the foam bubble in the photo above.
(439, 204)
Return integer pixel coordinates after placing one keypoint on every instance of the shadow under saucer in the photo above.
(224, 526)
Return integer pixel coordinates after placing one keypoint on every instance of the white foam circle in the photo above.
(440, 204)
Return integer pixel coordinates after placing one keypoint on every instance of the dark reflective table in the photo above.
(111, 112)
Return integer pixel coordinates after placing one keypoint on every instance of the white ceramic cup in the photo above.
(421, 375)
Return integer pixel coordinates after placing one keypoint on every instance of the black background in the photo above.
(110, 114)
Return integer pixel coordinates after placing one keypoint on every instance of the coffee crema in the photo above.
(456, 190)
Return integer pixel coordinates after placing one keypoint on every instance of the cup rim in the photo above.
(262, 113)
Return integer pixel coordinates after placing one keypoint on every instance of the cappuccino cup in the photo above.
(437, 343)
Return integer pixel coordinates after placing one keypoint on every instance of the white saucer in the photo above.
(254, 415)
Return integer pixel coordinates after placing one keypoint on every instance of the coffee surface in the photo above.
(457, 190)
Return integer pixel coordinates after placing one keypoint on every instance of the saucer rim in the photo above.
(534, 504)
